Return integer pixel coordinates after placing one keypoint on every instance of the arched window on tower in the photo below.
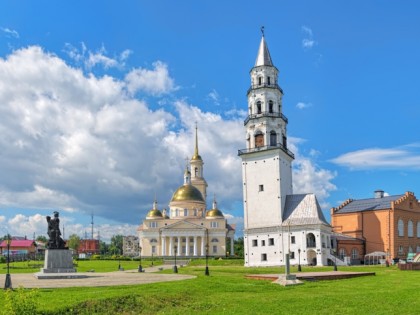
(250, 110)
(270, 107)
(196, 172)
(259, 139)
(258, 107)
(259, 80)
(273, 138)
(268, 80)
(284, 141)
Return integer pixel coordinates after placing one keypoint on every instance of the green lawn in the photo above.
(227, 291)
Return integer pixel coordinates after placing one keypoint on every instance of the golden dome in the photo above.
(154, 213)
(187, 193)
(214, 213)
(196, 157)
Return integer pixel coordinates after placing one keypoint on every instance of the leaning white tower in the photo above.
(266, 161)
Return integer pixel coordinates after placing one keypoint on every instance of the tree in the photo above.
(239, 247)
(116, 246)
(103, 248)
(74, 242)
(42, 239)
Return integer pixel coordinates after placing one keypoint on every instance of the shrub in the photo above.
(20, 302)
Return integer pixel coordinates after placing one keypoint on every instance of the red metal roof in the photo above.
(18, 243)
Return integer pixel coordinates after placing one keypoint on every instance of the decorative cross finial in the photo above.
(262, 30)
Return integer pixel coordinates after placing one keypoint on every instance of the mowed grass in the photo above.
(227, 291)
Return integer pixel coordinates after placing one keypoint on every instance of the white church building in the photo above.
(276, 222)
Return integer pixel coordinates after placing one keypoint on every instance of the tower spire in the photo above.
(263, 56)
(196, 156)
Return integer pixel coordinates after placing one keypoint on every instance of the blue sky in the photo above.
(98, 101)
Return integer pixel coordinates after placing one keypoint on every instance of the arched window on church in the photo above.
(310, 240)
(268, 80)
(273, 138)
(400, 227)
(284, 141)
(196, 172)
(185, 212)
(270, 107)
(259, 139)
(259, 111)
(259, 80)
(410, 229)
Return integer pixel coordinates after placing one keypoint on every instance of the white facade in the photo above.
(276, 221)
(187, 229)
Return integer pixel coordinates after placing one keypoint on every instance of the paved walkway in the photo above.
(96, 279)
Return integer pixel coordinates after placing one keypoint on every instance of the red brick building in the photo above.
(389, 224)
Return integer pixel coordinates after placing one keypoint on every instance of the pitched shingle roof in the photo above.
(368, 204)
(302, 209)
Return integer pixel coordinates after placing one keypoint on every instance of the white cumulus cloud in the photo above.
(404, 157)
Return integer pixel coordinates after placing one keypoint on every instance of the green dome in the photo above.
(187, 193)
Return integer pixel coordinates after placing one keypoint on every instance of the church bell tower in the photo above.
(266, 161)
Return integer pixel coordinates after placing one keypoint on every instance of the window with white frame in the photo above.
(400, 227)
(153, 224)
(410, 229)
(342, 253)
(354, 253)
(214, 224)
(400, 249)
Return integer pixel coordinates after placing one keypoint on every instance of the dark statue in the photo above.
(55, 241)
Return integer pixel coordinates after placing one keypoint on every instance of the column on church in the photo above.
(195, 246)
(187, 245)
(163, 245)
(202, 247)
(171, 245)
(179, 249)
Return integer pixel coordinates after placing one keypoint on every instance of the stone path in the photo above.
(96, 279)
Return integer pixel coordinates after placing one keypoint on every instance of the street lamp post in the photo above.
(175, 267)
(119, 261)
(335, 259)
(8, 282)
(140, 267)
(207, 260)
(299, 267)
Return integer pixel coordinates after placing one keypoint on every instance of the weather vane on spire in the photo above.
(262, 30)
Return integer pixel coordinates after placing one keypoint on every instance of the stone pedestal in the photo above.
(58, 264)
(58, 261)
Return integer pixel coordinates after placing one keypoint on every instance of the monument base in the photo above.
(286, 280)
(58, 264)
